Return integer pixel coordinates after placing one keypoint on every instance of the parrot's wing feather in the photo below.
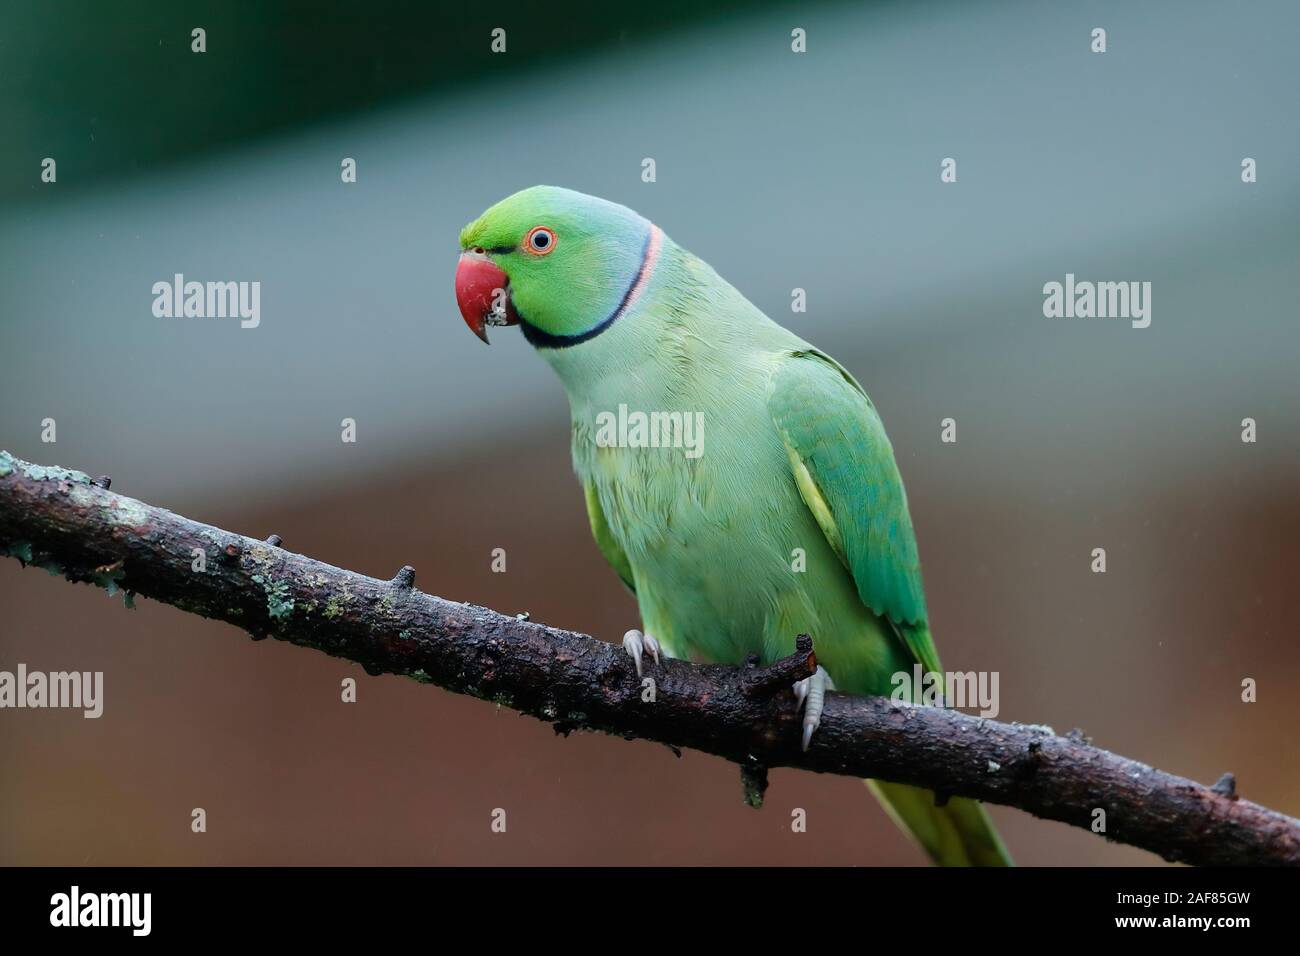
(844, 467)
(605, 540)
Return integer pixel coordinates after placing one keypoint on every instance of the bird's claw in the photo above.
(811, 695)
(801, 691)
(636, 644)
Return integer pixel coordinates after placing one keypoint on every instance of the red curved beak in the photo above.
(483, 294)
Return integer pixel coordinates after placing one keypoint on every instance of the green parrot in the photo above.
(790, 518)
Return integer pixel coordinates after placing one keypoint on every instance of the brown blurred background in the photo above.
(1146, 659)
(1071, 435)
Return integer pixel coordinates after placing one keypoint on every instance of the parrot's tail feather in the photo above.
(957, 834)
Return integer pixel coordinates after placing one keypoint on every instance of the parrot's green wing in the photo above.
(605, 541)
(846, 473)
(844, 467)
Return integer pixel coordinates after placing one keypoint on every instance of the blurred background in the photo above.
(816, 170)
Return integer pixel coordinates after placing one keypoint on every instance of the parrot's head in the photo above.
(561, 264)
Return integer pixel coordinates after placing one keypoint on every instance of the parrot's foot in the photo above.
(811, 694)
(636, 644)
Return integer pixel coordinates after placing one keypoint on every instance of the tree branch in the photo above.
(65, 522)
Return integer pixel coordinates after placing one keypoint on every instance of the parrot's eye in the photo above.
(539, 241)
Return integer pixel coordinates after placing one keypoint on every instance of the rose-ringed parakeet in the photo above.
(791, 460)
